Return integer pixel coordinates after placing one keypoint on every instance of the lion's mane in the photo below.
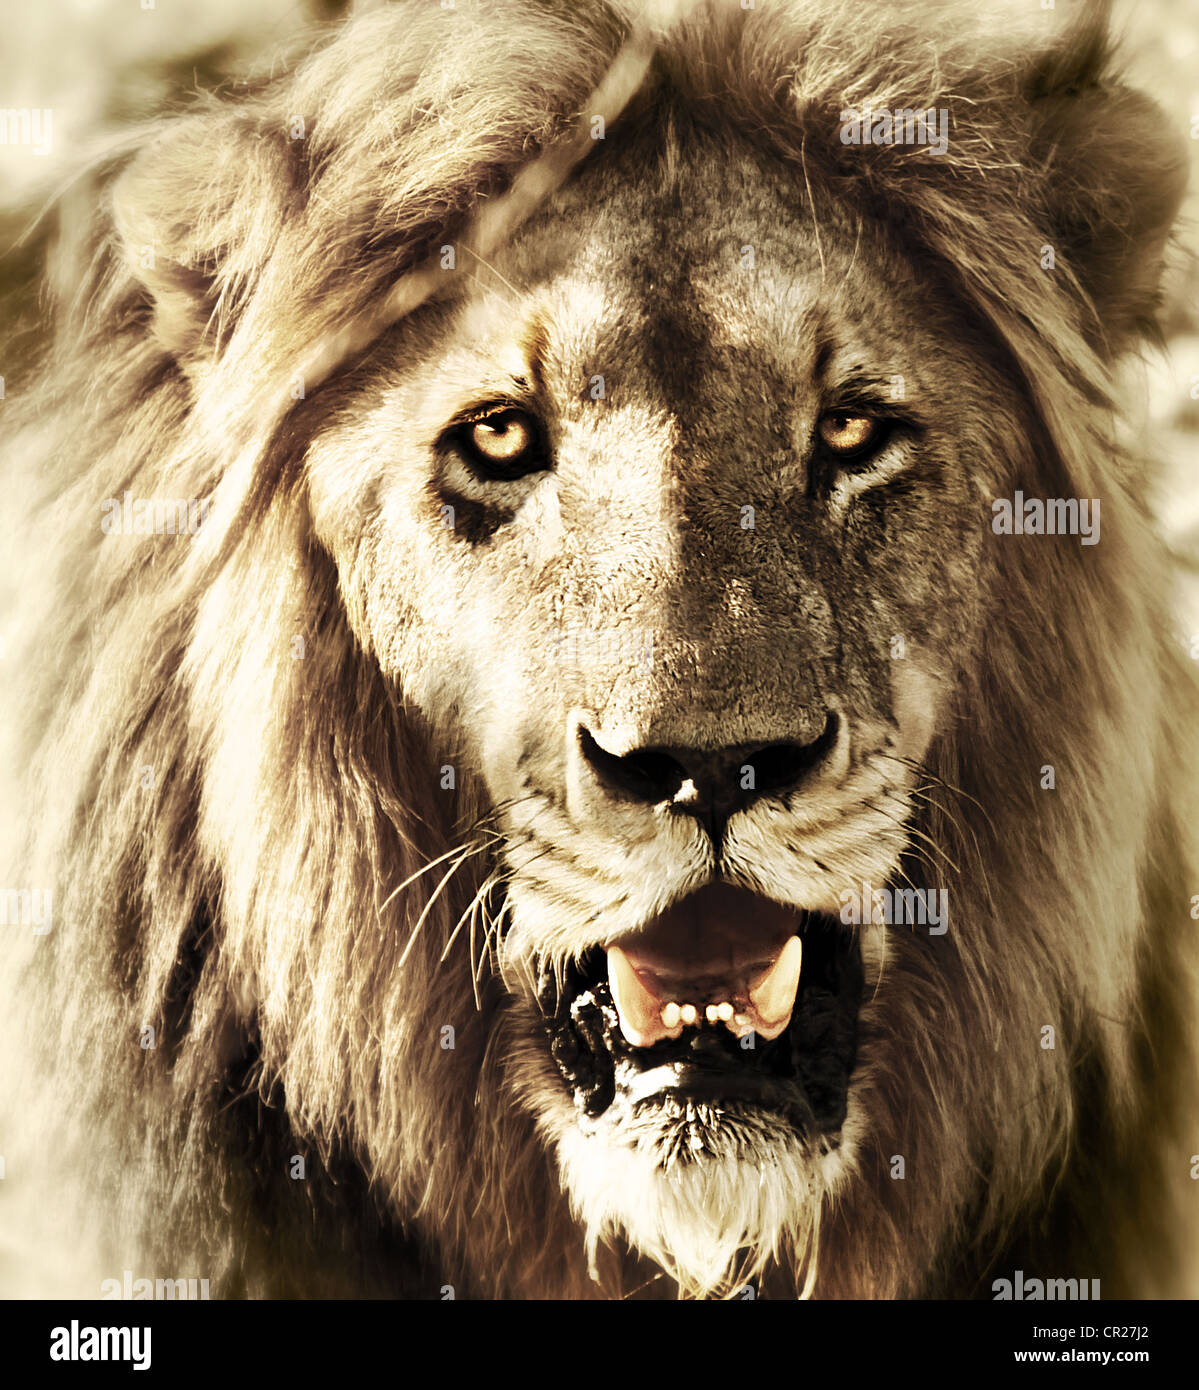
(238, 815)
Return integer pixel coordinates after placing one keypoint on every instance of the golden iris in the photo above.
(502, 438)
(846, 434)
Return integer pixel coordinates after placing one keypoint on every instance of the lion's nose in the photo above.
(711, 785)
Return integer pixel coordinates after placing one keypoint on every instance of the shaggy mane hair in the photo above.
(240, 818)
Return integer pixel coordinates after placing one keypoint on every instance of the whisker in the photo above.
(940, 781)
(433, 863)
(484, 887)
(919, 834)
(428, 907)
(492, 928)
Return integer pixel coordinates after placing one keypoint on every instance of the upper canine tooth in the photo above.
(774, 997)
(639, 1011)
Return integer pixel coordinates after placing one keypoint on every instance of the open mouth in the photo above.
(727, 999)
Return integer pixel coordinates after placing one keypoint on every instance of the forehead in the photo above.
(678, 260)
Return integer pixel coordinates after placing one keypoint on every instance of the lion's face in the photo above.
(683, 533)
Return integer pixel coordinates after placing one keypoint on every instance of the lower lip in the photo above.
(680, 1081)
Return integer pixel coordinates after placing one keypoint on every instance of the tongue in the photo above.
(723, 957)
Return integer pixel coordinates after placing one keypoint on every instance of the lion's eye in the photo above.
(848, 435)
(504, 445)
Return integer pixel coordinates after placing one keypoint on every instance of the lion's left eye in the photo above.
(849, 435)
(504, 445)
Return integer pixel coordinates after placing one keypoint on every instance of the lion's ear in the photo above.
(197, 214)
(1114, 174)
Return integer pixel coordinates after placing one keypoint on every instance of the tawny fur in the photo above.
(238, 840)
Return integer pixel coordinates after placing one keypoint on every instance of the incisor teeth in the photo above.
(724, 1011)
(711, 1013)
(671, 1015)
(689, 1013)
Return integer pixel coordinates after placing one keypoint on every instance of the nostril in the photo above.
(779, 766)
(647, 775)
(719, 784)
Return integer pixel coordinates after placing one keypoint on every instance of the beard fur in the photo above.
(712, 1199)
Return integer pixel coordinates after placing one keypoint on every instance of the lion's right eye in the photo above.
(503, 445)
(848, 435)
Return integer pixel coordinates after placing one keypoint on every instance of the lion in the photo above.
(618, 791)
